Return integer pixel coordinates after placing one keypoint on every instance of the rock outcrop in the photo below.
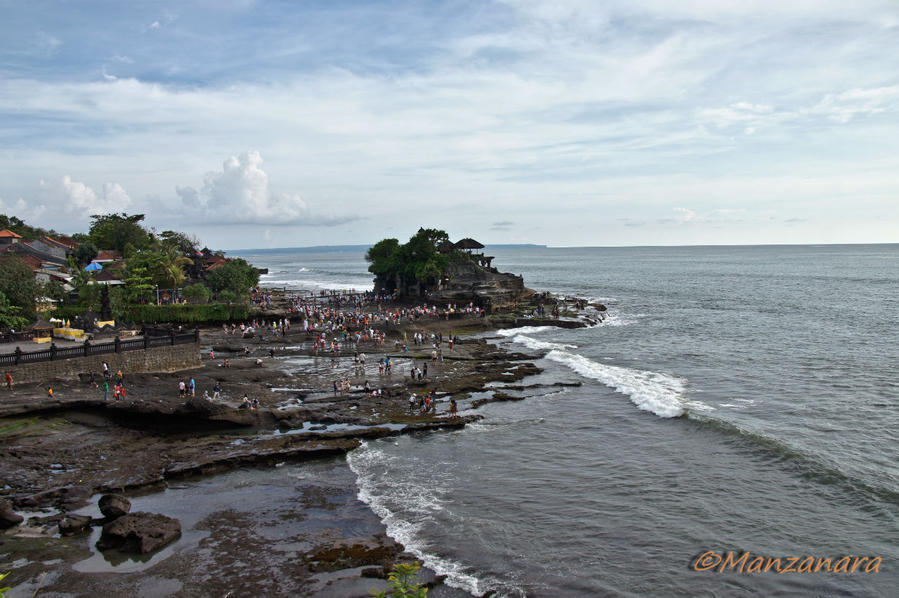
(8, 517)
(487, 288)
(139, 533)
(114, 506)
(74, 524)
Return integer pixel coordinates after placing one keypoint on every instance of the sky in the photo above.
(256, 124)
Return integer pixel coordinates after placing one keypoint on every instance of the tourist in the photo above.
(193, 387)
(412, 403)
(106, 390)
(182, 387)
(50, 392)
(453, 407)
(216, 390)
(245, 402)
(91, 380)
(8, 381)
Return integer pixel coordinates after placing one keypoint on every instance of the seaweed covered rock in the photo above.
(139, 533)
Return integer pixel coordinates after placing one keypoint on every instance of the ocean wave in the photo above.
(657, 393)
(532, 343)
(614, 318)
(419, 496)
(306, 284)
(806, 466)
(521, 329)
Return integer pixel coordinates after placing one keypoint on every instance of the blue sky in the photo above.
(266, 124)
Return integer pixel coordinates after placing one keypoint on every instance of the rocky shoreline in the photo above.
(59, 454)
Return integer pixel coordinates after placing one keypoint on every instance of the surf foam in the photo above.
(657, 393)
(416, 493)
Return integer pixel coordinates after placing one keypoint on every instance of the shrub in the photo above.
(196, 293)
(402, 583)
(183, 314)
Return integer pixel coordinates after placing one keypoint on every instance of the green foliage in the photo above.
(234, 275)
(6, 589)
(68, 312)
(227, 296)
(85, 252)
(382, 256)
(18, 226)
(416, 262)
(179, 242)
(17, 283)
(9, 315)
(402, 582)
(52, 289)
(138, 284)
(196, 293)
(183, 314)
(116, 231)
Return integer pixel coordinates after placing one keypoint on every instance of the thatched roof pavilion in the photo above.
(469, 244)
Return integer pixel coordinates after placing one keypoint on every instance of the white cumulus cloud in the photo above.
(240, 194)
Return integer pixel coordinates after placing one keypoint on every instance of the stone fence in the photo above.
(158, 356)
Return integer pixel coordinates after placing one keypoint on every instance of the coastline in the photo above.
(150, 441)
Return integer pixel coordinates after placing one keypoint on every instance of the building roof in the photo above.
(468, 243)
(108, 255)
(6, 233)
(32, 261)
(61, 241)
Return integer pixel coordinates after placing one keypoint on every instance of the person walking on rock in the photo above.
(8, 381)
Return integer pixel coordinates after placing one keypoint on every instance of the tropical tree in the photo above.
(417, 263)
(9, 316)
(234, 275)
(17, 283)
(173, 263)
(115, 231)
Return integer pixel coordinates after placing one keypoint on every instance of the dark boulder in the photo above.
(74, 524)
(139, 533)
(114, 506)
(8, 517)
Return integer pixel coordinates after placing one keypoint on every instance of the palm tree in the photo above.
(173, 264)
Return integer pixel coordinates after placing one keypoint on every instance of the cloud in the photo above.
(685, 215)
(78, 199)
(502, 225)
(240, 194)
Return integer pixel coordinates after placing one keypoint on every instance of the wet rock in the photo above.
(374, 572)
(8, 517)
(139, 533)
(114, 506)
(72, 525)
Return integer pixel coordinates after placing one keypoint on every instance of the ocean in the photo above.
(735, 399)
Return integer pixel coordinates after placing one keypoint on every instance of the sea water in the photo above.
(735, 399)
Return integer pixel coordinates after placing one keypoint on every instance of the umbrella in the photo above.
(93, 267)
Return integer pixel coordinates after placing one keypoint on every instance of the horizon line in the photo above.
(545, 246)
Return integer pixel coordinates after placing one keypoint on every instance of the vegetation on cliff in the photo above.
(413, 267)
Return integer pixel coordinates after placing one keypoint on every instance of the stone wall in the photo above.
(156, 359)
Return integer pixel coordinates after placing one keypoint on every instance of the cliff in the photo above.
(485, 287)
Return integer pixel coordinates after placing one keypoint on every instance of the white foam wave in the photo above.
(304, 269)
(613, 317)
(419, 497)
(657, 393)
(306, 284)
(521, 329)
(532, 343)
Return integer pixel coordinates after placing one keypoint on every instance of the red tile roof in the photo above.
(9, 234)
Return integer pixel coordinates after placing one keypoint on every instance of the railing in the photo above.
(54, 353)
